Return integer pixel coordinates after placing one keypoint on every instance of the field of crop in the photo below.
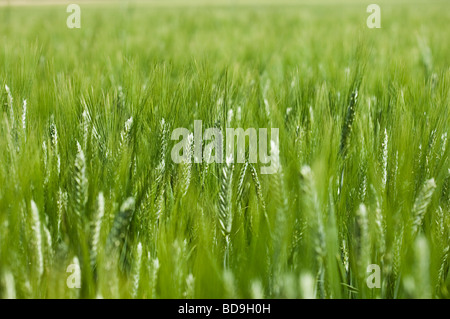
(93, 206)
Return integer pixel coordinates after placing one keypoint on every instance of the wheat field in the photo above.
(92, 205)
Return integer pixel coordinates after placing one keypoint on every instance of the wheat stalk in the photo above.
(258, 187)
(442, 266)
(85, 124)
(154, 276)
(11, 107)
(62, 207)
(97, 228)
(348, 123)
(186, 167)
(137, 270)
(345, 255)
(24, 118)
(125, 135)
(381, 228)
(36, 227)
(54, 146)
(81, 181)
(120, 225)
(442, 245)
(240, 185)
(421, 204)
(190, 287)
(225, 213)
(48, 242)
(398, 246)
(364, 239)
(158, 188)
(384, 160)
(312, 204)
